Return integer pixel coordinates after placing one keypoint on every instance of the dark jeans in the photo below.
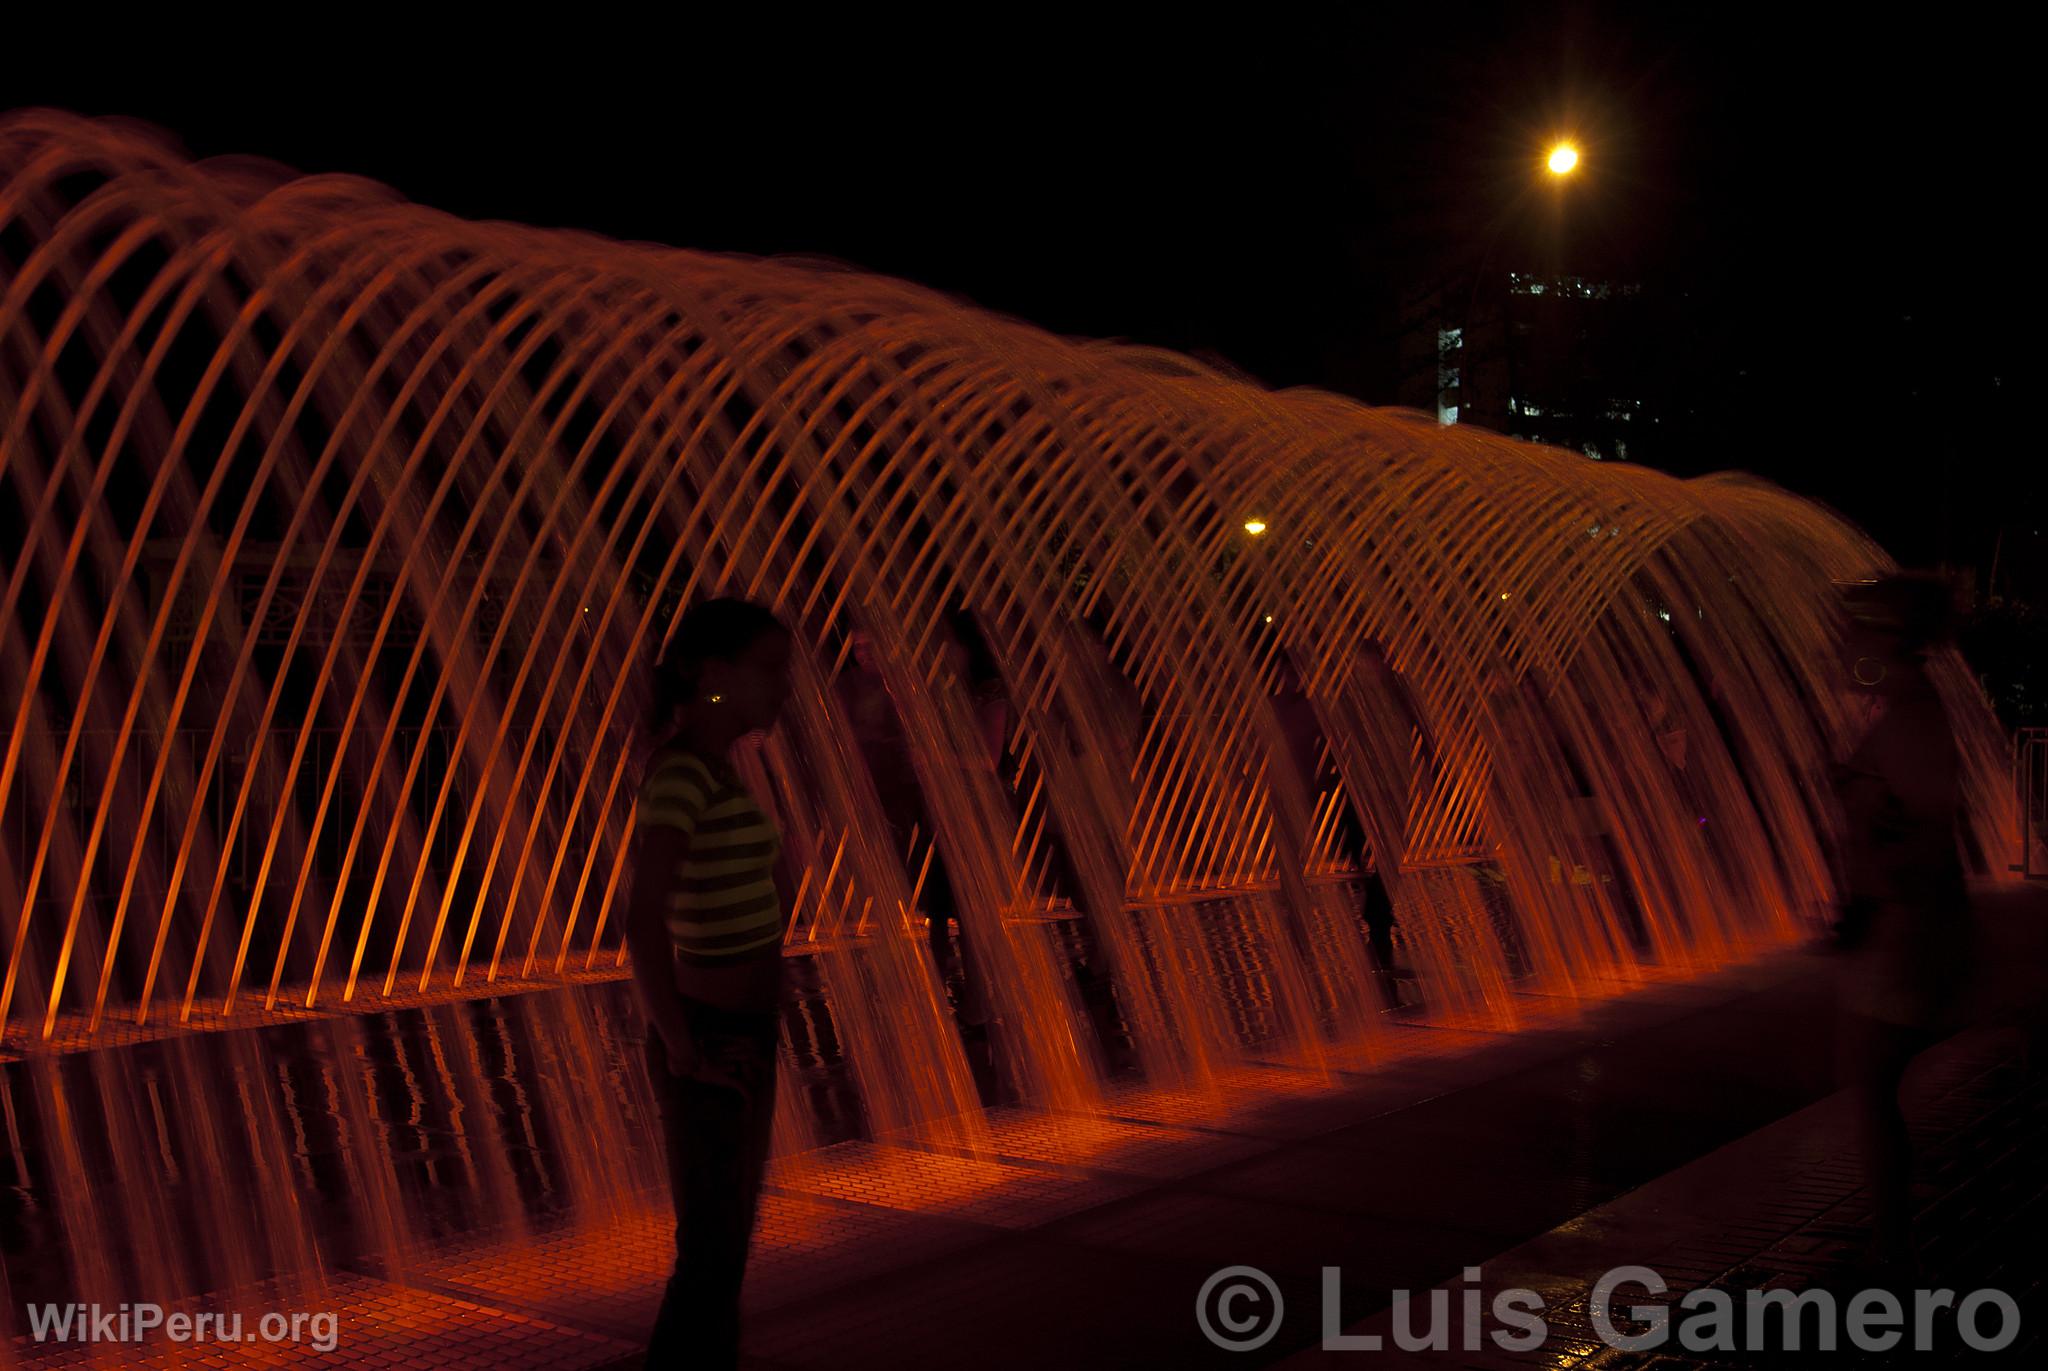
(717, 1141)
(1874, 1058)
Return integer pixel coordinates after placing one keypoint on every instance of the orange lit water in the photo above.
(337, 531)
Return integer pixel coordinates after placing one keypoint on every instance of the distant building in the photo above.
(1586, 364)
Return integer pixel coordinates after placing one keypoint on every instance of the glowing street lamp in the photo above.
(1255, 526)
(1564, 159)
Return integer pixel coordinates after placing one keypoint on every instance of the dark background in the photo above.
(1836, 199)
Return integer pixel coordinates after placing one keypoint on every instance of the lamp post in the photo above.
(1561, 162)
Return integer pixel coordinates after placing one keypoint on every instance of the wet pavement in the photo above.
(1686, 1123)
(1784, 1210)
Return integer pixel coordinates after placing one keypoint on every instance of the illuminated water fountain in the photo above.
(337, 534)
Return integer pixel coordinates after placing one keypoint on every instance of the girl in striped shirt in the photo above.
(704, 930)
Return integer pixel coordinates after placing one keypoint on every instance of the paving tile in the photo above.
(1687, 1121)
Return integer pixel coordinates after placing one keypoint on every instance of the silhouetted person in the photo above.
(1376, 673)
(705, 929)
(1670, 732)
(1379, 933)
(878, 729)
(1904, 916)
(970, 667)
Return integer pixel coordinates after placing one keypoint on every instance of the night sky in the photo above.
(1841, 203)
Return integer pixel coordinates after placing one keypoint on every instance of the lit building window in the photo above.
(1448, 374)
(1570, 287)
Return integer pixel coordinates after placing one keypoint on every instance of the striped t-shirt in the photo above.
(722, 906)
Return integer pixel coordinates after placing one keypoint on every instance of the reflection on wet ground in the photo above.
(504, 1151)
(196, 1161)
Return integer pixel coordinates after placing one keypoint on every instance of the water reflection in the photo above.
(367, 1143)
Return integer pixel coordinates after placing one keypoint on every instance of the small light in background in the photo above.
(1255, 526)
(1564, 158)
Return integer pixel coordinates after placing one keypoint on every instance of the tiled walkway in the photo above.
(1784, 1209)
(1621, 1134)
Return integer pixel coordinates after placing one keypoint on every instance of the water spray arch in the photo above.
(339, 531)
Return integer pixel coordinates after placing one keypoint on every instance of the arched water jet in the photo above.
(338, 532)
